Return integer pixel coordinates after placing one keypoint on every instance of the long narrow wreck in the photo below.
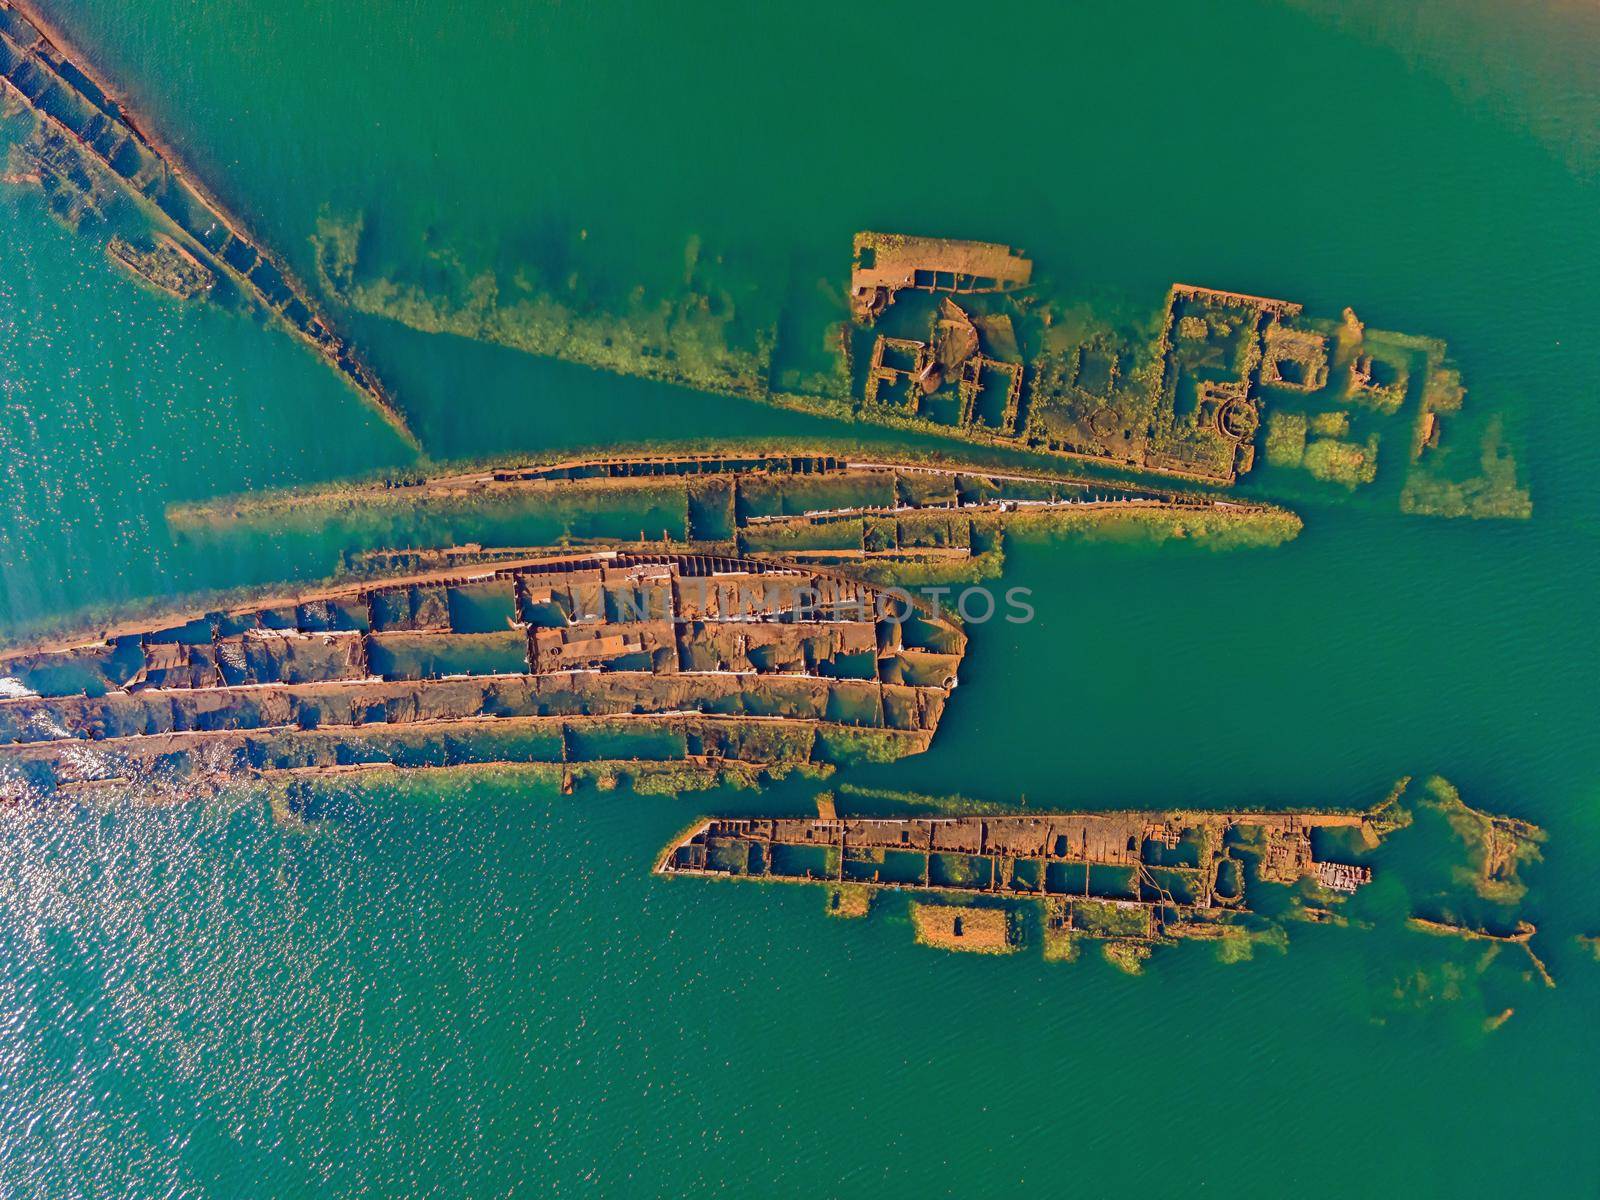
(885, 520)
(88, 148)
(1136, 880)
(635, 660)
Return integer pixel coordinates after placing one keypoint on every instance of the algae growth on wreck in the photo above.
(953, 337)
(601, 658)
(893, 519)
(405, 977)
(1136, 881)
(97, 166)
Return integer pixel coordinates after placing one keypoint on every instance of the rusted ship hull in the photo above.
(1129, 841)
(601, 657)
(64, 92)
(1134, 878)
(868, 516)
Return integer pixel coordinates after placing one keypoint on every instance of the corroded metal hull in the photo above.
(571, 659)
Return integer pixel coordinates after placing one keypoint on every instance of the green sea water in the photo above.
(473, 988)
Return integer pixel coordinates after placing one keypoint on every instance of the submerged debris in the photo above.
(973, 930)
(848, 901)
(165, 265)
(1497, 847)
(886, 263)
(77, 188)
(1522, 936)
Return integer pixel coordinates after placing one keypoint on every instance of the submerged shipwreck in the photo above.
(886, 521)
(641, 661)
(1133, 880)
(164, 264)
(750, 627)
(961, 339)
(510, 615)
(87, 151)
(948, 336)
(1137, 878)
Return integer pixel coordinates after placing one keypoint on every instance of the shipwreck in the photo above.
(1143, 876)
(88, 148)
(883, 520)
(959, 340)
(1133, 880)
(964, 340)
(1129, 880)
(643, 660)
(164, 265)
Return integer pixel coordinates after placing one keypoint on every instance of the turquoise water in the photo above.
(475, 988)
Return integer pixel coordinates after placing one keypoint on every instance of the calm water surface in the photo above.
(473, 987)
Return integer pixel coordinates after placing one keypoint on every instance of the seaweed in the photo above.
(1497, 847)
(1127, 957)
(1343, 462)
